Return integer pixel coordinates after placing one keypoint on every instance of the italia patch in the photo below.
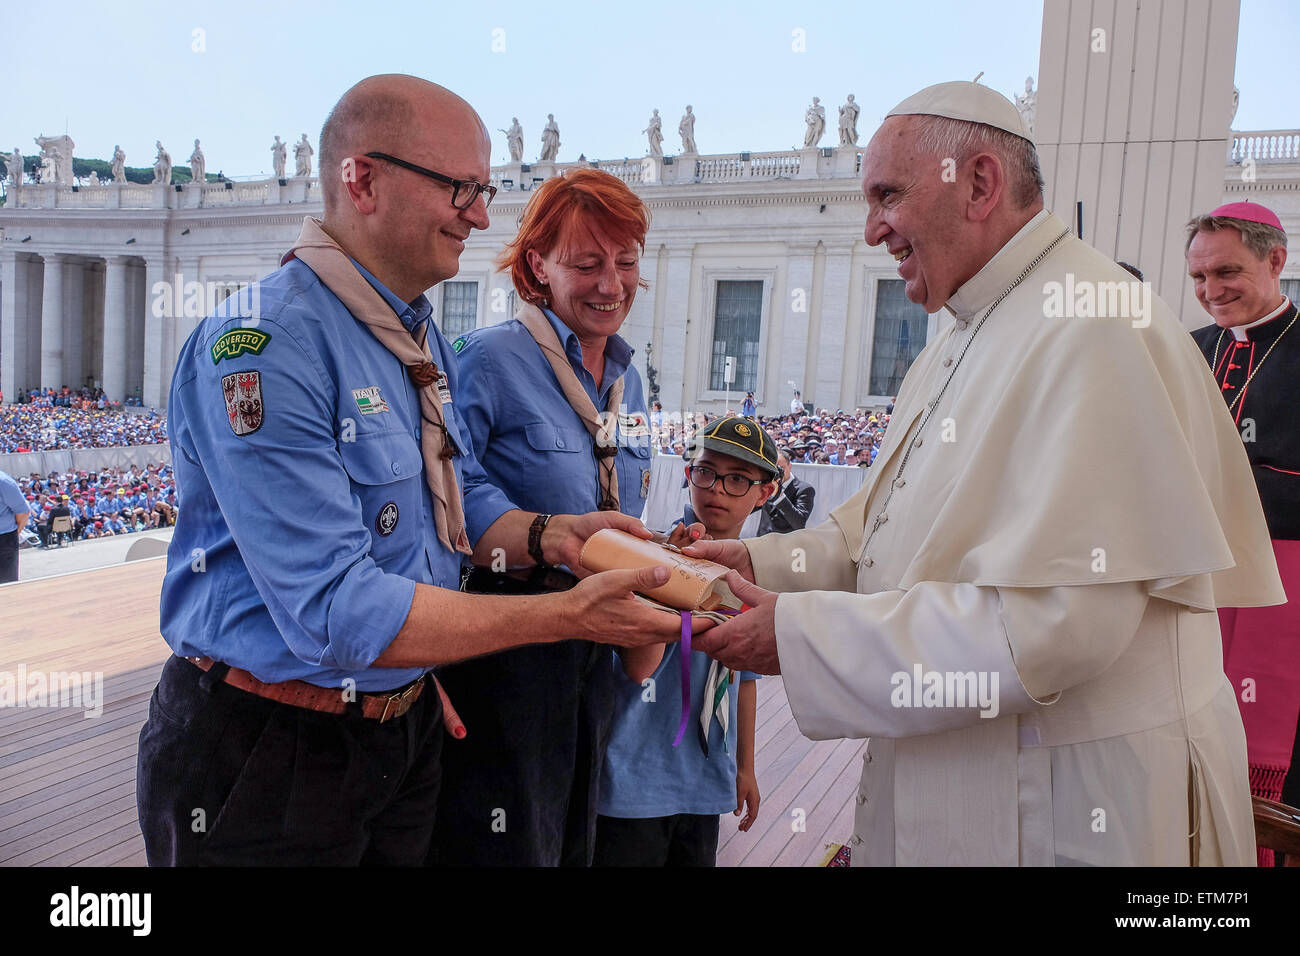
(633, 425)
(239, 342)
(459, 343)
(369, 400)
(243, 393)
(386, 520)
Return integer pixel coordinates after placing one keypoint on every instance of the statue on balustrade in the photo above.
(50, 157)
(515, 140)
(815, 120)
(1028, 105)
(162, 165)
(61, 158)
(14, 166)
(279, 156)
(656, 133)
(92, 179)
(119, 165)
(302, 154)
(849, 123)
(198, 165)
(550, 140)
(686, 129)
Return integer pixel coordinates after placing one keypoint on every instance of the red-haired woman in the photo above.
(559, 422)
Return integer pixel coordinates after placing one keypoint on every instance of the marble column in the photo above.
(52, 323)
(13, 326)
(74, 320)
(795, 361)
(154, 321)
(113, 371)
(834, 309)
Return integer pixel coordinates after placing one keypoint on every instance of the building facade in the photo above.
(756, 257)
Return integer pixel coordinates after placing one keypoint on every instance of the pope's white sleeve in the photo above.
(803, 560)
(863, 665)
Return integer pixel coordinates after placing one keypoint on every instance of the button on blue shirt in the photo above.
(305, 521)
(531, 443)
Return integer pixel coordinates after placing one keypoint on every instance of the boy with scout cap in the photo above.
(659, 804)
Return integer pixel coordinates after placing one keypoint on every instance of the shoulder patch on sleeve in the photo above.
(237, 342)
(459, 343)
(243, 394)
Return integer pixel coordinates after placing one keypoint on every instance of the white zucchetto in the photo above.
(962, 100)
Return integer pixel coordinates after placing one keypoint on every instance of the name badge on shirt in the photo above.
(444, 389)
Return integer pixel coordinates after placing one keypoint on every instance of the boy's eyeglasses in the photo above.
(702, 476)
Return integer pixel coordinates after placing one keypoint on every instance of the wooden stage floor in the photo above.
(67, 782)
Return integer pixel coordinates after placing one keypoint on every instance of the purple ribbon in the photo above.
(686, 671)
(686, 677)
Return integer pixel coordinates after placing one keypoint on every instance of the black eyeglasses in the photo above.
(463, 191)
(703, 476)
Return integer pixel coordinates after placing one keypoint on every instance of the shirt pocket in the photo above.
(386, 471)
(545, 437)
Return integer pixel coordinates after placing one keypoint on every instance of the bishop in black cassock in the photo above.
(1253, 349)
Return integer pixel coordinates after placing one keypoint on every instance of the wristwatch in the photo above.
(535, 539)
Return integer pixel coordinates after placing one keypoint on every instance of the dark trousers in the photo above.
(521, 788)
(9, 556)
(684, 839)
(225, 777)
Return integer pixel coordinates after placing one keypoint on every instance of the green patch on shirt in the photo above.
(237, 342)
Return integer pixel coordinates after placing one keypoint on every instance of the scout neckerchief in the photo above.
(326, 258)
(543, 333)
(716, 705)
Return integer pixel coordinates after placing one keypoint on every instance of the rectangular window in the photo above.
(736, 325)
(459, 308)
(900, 335)
(1291, 289)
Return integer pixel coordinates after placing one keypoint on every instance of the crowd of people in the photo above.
(103, 504)
(54, 419)
(812, 437)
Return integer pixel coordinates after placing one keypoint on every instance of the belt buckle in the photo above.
(392, 699)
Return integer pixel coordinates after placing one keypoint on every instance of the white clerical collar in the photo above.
(1239, 331)
(979, 290)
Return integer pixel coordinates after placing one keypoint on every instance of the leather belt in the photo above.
(297, 693)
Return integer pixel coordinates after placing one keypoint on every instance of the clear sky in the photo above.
(134, 71)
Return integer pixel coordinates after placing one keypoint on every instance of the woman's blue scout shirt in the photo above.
(531, 443)
(305, 517)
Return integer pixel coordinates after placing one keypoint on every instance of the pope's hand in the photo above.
(601, 608)
(748, 641)
(731, 553)
(564, 535)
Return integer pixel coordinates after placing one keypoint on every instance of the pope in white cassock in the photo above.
(1018, 607)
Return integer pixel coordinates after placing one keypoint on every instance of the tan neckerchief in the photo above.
(543, 333)
(326, 258)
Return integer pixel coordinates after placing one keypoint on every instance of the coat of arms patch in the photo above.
(243, 392)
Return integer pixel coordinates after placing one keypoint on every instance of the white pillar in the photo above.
(834, 308)
(13, 325)
(113, 371)
(672, 360)
(74, 321)
(154, 319)
(52, 322)
(795, 361)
